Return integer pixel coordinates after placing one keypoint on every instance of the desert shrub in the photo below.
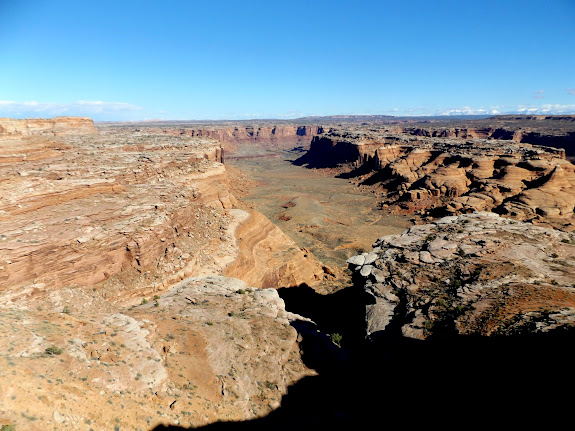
(336, 339)
(53, 351)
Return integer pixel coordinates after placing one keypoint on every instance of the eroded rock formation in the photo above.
(473, 274)
(440, 176)
(96, 232)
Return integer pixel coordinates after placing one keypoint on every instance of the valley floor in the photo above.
(328, 216)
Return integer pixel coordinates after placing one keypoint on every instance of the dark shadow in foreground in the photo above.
(452, 382)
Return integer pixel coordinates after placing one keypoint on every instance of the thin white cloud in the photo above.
(526, 109)
(571, 91)
(96, 108)
(547, 109)
(467, 110)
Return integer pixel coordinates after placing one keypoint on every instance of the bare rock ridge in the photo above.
(437, 175)
(473, 274)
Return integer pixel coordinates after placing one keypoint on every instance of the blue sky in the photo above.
(139, 59)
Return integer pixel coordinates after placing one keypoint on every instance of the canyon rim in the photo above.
(283, 274)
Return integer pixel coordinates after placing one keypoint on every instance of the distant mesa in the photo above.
(53, 126)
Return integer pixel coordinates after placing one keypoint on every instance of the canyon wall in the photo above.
(440, 176)
(112, 251)
(126, 212)
(238, 138)
(555, 131)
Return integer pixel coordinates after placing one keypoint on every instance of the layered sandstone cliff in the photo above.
(112, 247)
(130, 210)
(440, 176)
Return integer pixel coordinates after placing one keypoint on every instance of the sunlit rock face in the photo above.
(472, 274)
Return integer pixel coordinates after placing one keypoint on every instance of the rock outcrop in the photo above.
(473, 274)
(209, 349)
(442, 176)
(268, 258)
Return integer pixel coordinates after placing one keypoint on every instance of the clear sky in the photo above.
(216, 59)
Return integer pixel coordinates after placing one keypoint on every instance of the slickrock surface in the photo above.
(209, 349)
(269, 258)
(442, 176)
(470, 274)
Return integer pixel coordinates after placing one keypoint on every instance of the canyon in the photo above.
(164, 275)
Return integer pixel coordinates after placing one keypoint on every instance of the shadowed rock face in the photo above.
(441, 176)
(475, 274)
